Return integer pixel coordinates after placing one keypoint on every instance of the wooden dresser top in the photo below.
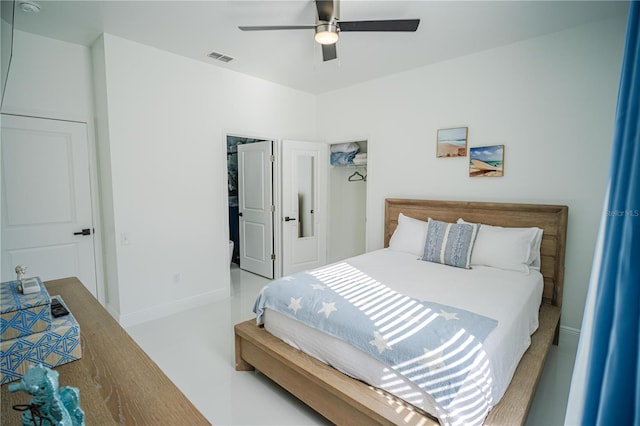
(118, 382)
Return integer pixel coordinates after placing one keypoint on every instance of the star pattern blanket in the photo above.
(437, 347)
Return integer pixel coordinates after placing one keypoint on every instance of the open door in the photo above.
(304, 205)
(256, 207)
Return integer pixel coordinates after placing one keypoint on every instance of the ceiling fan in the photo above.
(329, 26)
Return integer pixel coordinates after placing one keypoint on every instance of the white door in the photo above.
(255, 207)
(46, 200)
(304, 205)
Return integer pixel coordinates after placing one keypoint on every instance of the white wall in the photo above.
(49, 78)
(549, 100)
(168, 117)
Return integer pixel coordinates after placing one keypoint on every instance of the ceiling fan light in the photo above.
(28, 6)
(326, 34)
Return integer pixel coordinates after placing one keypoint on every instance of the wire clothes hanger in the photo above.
(356, 176)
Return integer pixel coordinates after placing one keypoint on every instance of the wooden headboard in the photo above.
(551, 218)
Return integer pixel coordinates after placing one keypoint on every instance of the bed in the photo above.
(344, 400)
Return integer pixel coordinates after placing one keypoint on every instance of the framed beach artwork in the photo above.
(452, 142)
(486, 161)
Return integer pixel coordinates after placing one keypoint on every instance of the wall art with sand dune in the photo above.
(452, 142)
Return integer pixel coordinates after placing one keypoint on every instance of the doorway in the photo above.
(347, 201)
(256, 207)
(298, 205)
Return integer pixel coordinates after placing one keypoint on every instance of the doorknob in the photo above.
(287, 218)
(85, 231)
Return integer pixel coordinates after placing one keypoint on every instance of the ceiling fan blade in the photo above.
(329, 52)
(278, 27)
(325, 10)
(386, 25)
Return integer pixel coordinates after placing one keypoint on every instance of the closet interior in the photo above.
(347, 200)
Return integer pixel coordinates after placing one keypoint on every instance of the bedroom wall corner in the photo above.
(168, 117)
(104, 175)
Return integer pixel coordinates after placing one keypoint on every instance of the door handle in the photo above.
(85, 231)
(287, 218)
(240, 214)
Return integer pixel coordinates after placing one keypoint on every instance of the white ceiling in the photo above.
(448, 29)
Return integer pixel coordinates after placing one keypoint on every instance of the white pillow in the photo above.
(535, 251)
(516, 249)
(409, 236)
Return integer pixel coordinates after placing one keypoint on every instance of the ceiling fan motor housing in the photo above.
(327, 33)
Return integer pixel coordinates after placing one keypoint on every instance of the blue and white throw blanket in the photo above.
(437, 347)
(342, 158)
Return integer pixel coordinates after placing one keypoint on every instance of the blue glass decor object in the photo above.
(50, 404)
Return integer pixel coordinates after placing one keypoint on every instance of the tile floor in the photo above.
(199, 358)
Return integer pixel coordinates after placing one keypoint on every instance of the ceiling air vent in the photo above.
(220, 57)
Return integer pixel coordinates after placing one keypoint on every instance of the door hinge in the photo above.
(273, 257)
(273, 209)
(272, 158)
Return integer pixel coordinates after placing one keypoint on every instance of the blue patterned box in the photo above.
(23, 314)
(56, 346)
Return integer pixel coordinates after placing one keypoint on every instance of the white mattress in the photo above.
(511, 298)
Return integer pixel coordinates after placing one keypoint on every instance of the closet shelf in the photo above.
(348, 165)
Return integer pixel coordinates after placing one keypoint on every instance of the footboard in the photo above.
(339, 398)
(344, 400)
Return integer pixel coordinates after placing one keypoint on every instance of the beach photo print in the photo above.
(452, 142)
(486, 161)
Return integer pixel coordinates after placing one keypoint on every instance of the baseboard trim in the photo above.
(569, 330)
(114, 312)
(161, 311)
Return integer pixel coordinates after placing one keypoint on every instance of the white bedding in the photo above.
(512, 298)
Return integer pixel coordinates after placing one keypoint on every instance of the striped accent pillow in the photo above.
(450, 243)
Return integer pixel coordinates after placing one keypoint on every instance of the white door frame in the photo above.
(95, 195)
(277, 200)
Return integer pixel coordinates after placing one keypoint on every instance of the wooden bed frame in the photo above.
(344, 400)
